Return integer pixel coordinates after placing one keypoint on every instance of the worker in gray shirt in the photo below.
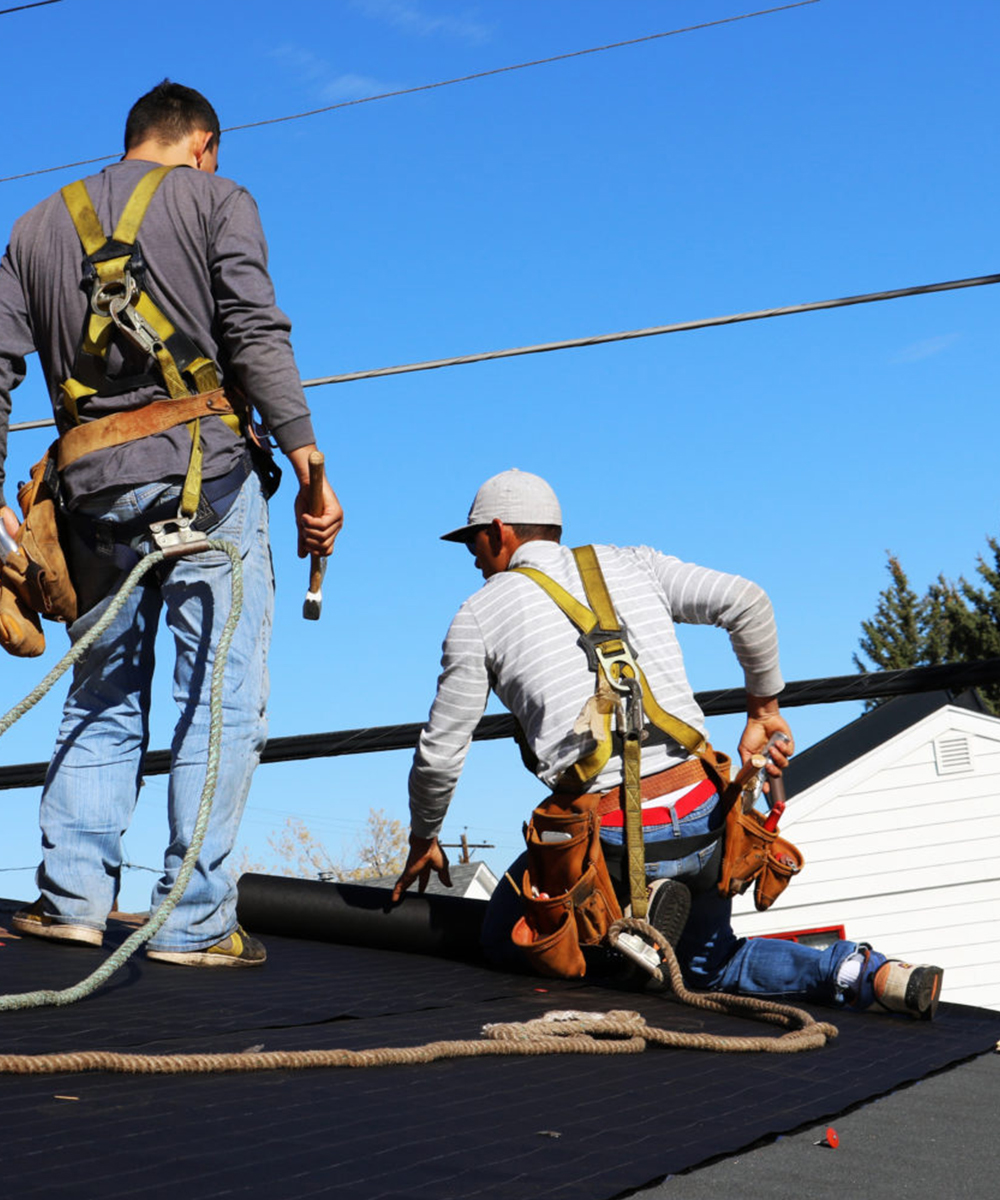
(173, 303)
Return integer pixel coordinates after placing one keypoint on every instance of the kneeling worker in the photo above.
(517, 636)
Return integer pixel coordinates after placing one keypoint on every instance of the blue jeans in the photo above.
(92, 784)
(710, 954)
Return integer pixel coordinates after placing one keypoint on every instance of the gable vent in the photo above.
(953, 754)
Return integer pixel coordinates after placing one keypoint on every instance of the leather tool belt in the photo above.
(35, 578)
(569, 900)
(755, 855)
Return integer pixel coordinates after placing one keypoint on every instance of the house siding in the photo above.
(904, 857)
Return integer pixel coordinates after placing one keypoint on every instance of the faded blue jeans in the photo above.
(710, 954)
(92, 784)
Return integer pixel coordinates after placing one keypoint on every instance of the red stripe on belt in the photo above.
(660, 815)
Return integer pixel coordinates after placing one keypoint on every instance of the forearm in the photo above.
(463, 689)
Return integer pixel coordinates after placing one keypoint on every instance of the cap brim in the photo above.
(464, 533)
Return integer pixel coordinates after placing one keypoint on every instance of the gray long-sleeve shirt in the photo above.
(511, 637)
(206, 260)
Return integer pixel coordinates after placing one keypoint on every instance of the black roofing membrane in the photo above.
(560, 1127)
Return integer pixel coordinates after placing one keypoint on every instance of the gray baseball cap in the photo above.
(514, 497)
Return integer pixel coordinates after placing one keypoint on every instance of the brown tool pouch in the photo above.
(756, 855)
(568, 897)
(36, 574)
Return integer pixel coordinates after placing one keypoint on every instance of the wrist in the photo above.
(760, 708)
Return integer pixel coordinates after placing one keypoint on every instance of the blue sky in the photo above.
(830, 150)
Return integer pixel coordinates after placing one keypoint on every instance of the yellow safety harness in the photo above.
(621, 689)
(119, 303)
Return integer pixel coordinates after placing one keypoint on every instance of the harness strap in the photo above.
(586, 620)
(602, 616)
(141, 321)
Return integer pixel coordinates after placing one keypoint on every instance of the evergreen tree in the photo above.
(974, 620)
(892, 638)
(951, 622)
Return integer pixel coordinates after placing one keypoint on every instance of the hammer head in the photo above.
(312, 606)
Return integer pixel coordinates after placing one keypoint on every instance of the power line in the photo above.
(630, 334)
(427, 87)
(22, 7)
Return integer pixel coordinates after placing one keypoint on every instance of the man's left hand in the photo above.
(425, 856)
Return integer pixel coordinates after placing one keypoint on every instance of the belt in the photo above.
(664, 782)
(661, 815)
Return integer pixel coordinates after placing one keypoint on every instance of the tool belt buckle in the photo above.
(175, 537)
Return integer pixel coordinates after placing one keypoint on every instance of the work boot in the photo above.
(239, 949)
(897, 986)
(36, 923)
(668, 908)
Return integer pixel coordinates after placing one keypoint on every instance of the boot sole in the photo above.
(669, 909)
(198, 958)
(79, 935)
(923, 991)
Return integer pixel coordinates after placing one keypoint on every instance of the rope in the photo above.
(804, 1033)
(566, 1032)
(427, 87)
(116, 960)
(602, 339)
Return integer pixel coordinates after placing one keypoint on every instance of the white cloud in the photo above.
(302, 62)
(926, 348)
(353, 87)
(405, 15)
(328, 87)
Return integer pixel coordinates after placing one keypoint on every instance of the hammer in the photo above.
(313, 602)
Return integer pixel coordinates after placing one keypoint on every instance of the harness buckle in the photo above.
(176, 537)
(606, 648)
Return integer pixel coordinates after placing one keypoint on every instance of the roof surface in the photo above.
(563, 1127)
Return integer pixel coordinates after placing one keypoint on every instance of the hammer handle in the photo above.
(316, 462)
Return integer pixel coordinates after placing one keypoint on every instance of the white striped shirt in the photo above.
(511, 637)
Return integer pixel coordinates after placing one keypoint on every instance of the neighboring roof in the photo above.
(869, 731)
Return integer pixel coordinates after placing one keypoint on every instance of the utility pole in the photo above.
(465, 846)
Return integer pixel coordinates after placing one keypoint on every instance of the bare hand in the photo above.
(763, 720)
(11, 523)
(316, 535)
(425, 856)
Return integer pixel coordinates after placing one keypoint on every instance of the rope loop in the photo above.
(76, 653)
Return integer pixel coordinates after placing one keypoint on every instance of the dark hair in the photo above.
(538, 533)
(169, 113)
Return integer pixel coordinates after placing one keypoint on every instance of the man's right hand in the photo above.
(316, 535)
(425, 856)
(11, 523)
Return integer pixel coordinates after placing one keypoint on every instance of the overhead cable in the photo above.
(627, 335)
(427, 87)
(950, 677)
(22, 7)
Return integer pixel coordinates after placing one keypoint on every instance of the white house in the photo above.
(898, 817)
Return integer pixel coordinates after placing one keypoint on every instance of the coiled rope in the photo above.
(70, 995)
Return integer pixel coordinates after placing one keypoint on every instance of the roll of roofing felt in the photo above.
(355, 915)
